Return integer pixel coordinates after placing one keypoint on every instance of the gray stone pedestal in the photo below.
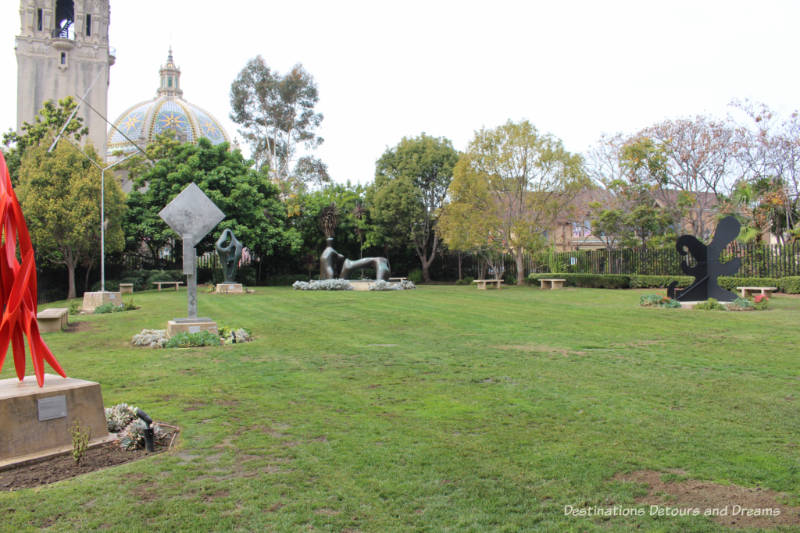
(229, 288)
(36, 421)
(191, 325)
(93, 300)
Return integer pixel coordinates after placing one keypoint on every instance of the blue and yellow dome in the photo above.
(168, 111)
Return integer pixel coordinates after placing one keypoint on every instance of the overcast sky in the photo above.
(385, 70)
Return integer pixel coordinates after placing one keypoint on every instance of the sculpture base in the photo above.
(229, 288)
(35, 421)
(93, 300)
(691, 304)
(191, 325)
(361, 284)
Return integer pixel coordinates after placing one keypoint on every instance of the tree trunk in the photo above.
(519, 257)
(71, 280)
(459, 266)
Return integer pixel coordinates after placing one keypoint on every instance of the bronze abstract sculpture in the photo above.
(329, 261)
(708, 267)
(229, 255)
(380, 264)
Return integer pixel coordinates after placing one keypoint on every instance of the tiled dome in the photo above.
(167, 111)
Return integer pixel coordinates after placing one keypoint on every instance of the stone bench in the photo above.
(126, 288)
(53, 319)
(398, 279)
(551, 283)
(747, 292)
(175, 283)
(483, 282)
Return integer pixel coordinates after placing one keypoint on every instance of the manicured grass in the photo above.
(443, 408)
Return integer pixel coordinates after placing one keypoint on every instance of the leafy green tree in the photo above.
(250, 202)
(410, 187)
(516, 181)
(60, 196)
(276, 114)
(348, 199)
(47, 124)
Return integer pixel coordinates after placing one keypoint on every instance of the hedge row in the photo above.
(790, 284)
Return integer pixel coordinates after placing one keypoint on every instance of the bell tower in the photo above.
(62, 50)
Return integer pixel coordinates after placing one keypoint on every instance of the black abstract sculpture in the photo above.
(708, 267)
(229, 254)
(380, 264)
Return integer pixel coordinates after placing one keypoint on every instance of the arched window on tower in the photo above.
(65, 19)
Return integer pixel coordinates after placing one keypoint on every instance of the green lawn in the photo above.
(439, 409)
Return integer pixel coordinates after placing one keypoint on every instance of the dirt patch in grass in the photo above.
(539, 348)
(75, 327)
(740, 507)
(63, 466)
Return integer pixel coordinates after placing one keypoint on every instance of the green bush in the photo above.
(790, 285)
(710, 305)
(656, 300)
(598, 281)
(415, 276)
(741, 304)
(730, 283)
(641, 281)
(466, 280)
(187, 340)
(75, 307)
(108, 308)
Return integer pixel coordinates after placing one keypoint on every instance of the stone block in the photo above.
(191, 325)
(93, 300)
(36, 421)
(126, 288)
(361, 285)
(229, 288)
(53, 319)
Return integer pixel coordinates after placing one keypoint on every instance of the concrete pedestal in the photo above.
(191, 325)
(361, 285)
(36, 421)
(93, 300)
(229, 288)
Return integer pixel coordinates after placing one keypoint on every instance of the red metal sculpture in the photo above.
(18, 287)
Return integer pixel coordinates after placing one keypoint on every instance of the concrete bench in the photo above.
(53, 319)
(398, 279)
(551, 283)
(750, 291)
(483, 282)
(126, 288)
(175, 283)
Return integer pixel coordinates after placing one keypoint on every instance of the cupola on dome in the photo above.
(168, 111)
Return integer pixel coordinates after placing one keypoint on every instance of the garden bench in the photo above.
(749, 291)
(160, 283)
(551, 283)
(126, 288)
(482, 283)
(53, 319)
(398, 279)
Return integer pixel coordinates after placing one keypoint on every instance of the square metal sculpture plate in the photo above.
(191, 215)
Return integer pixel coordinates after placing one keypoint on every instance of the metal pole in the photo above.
(103, 230)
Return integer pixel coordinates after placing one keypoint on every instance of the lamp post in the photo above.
(103, 214)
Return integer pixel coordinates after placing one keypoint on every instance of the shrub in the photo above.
(234, 335)
(415, 275)
(153, 338)
(75, 307)
(129, 305)
(730, 283)
(641, 281)
(119, 416)
(741, 304)
(601, 281)
(132, 437)
(80, 441)
(710, 305)
(790, 285)
(466, 280)
(323, 285)
(188, 340)
(382, 285)
(108, 308)
(760, 302)
(649, 300)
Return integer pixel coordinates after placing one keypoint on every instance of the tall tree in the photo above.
(48, 123)
(60, 195)
(250, 202)
(700, 165)
(276, 114)
(516, 180)
(411, 182)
